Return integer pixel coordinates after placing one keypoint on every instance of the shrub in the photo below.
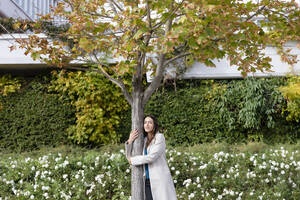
(232, 111)
(271, 173)
(100, 106)
(292, 94)
(8, 85)
(31, 118)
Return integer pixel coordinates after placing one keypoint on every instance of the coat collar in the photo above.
(152, 142)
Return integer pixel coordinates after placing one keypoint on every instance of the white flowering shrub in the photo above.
(271, 174)
(54, 176)
(274, 174)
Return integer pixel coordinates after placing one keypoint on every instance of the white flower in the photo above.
(46, 195)
(27, 193)
(192, 195)
(99, 177)
(187, 182)
(46, 165)
(267, 180)
(203, 166)
(287, 166)
(45, 188)
(65, 176)
(177, 172)
(277, 194)
(35, 187)
(32, 196)
(65, 163)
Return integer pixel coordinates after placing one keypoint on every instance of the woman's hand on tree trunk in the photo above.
(133, 135)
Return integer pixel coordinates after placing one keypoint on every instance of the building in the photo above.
(15, 61)
(25, 9)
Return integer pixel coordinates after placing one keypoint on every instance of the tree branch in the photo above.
(156, 26)
(79, 69)
(118, 82)
(175, 58)
(149, 14)
(256, 13)
(98, 15)
(113, 3)
(156, 81)
(161, 63)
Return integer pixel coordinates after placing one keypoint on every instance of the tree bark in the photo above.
(137, 117)
(137, 120)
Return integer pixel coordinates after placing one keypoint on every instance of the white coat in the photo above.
(162, 186)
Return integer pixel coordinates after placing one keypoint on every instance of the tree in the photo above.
(126, 36)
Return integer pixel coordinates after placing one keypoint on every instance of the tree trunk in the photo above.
(137, 117)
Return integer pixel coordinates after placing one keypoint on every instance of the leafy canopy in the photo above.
(137, 36)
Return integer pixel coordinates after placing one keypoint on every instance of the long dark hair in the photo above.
(155, 122)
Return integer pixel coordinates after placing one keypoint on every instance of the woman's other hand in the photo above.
(133, 135)
(129, 160)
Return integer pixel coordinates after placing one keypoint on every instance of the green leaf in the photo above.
(138, 34)
(35, 55)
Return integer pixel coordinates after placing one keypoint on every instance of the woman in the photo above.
(157, 177)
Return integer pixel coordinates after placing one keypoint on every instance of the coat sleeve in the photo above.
(128, 149)
(157, 149)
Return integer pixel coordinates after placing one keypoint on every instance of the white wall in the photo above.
(223, 69)
(15, 57)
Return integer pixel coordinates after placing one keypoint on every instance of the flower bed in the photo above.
(272, 174)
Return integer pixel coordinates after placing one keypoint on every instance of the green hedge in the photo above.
(231, 111)
(32, 118)
(197, 111)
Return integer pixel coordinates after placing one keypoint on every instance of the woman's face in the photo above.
(148, 124)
